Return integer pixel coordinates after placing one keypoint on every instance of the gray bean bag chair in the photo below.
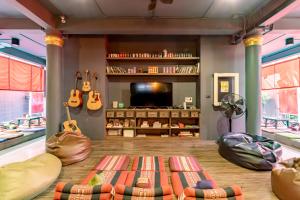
(250, 151)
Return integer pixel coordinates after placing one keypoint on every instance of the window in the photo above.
(280, 90)
(21, 88)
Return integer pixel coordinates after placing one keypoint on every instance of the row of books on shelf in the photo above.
(163, 54)
(178, 69)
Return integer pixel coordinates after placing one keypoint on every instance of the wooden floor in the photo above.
(255, 185)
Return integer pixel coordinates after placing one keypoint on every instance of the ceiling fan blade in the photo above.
(225, 106)
(238, 111)
(167, 1)
(240, 102)
(152, 5)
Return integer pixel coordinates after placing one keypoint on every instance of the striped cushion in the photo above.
(229, 193)
(133, 193)
(157, 179)
(119, 162)
(148, 163)
(110, 177)
(68, 191)
(182, 180)
(184, 164)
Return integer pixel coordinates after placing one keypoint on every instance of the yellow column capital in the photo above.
(54, 40)
(253, 40)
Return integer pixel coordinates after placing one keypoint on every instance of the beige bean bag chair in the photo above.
(285, 180)
(26, 180)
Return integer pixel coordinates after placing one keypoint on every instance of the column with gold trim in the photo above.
(253, 83)
(54, 83)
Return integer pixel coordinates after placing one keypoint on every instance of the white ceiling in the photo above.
(30, 41)
(138, 8)
(6, 10)
(294, 13)
(275, 41)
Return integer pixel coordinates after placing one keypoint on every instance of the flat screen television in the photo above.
(151, 94)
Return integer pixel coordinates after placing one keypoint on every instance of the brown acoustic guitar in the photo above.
(86, 86)
(70, 125)
(75, 99)
(94, 100)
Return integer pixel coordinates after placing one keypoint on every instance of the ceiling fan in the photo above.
(152, 4)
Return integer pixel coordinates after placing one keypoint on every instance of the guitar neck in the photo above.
(68, 114)
(86, 75)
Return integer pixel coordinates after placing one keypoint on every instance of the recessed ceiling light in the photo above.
(63, 19)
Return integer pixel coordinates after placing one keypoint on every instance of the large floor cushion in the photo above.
(250, 151)
(229, 193)
(157, 179)
(148, 163)
(182, 180)
(285, 181)
(97, 185)
(109, 177)
(115, 162)
(184, 163)
(123, 192)
(69, 147)
(25, 180)
(68, 191)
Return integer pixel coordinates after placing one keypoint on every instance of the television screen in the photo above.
(151, 94)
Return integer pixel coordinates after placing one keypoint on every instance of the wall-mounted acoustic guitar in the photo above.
(75, 99)
(70, 125)
(94, 100)
(86, 86)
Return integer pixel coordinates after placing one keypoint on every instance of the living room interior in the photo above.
(149, 99)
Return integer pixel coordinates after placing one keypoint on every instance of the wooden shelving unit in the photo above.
(164, 116)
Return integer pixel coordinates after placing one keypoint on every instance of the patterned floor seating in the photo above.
(110, 177)
(229, 193)
(182, 180)
(115, 162)
(148, 163)
(184, 187)
(157, 179)
(67, 191)
(133, 193)
(184, 164)
(159, 187)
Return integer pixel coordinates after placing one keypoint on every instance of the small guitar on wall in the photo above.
(86, 86)
(75, 99)
(94, 99)
(70, 125)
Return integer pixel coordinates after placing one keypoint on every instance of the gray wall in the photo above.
(120, 91)
(218, 56)
(81, 54)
